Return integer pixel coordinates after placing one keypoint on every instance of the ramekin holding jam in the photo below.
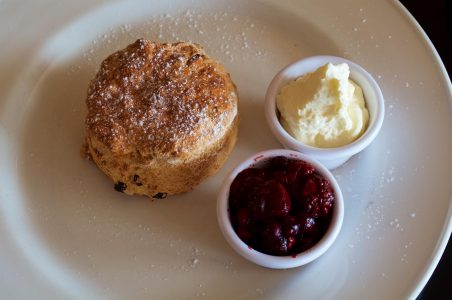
(327, 107)
(280, 209)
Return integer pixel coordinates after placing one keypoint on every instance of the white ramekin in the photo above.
(270, 261)
(330, 157)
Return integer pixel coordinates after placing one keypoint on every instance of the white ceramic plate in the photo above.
(65, 233)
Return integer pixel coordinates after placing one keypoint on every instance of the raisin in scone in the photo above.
(161, 117)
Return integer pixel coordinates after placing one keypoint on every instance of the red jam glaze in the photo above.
(281, 208)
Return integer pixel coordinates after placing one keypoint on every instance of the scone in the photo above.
(161, 117)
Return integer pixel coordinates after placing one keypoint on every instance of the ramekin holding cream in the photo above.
(324, 106)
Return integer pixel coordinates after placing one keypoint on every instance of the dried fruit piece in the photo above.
(160, 195)
(120, 186)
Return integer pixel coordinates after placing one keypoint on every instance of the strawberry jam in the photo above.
(283, 207)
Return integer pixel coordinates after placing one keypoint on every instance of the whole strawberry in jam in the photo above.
(316, 197)
(273, 240)
(281, 207)
(271, 201)
(244, 186)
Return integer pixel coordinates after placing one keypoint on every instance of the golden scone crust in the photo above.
(161, 117)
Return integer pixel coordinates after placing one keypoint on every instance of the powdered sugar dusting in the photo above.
(233, 34)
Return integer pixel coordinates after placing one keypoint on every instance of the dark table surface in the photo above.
(435, 17)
